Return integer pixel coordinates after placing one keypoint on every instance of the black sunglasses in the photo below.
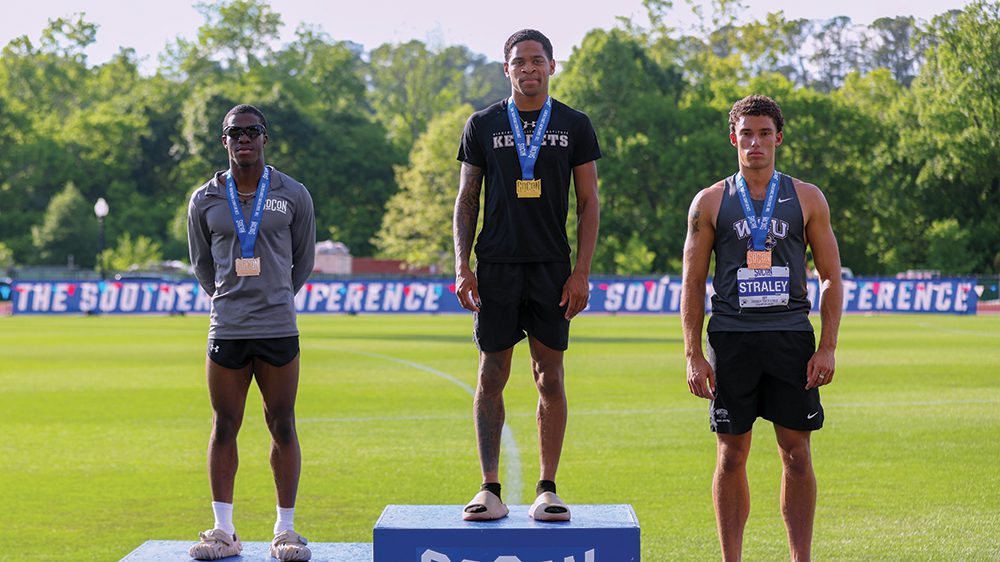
(253, 131)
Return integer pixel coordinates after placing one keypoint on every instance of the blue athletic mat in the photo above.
(174, 551)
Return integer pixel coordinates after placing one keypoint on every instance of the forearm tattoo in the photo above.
(467, 210)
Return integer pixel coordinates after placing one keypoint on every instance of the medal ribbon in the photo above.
(758, 227)
(525, 154)
(248, 236)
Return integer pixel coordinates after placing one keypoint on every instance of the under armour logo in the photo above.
(529, 124)
(214, 348)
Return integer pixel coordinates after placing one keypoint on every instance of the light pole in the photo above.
(101, 210)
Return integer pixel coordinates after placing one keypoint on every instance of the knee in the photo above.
(493, 374)
(225, 428)
(797, 460)
(282, 427)
(732, 459)
(549, 379)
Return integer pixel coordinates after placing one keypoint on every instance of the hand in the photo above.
(467, 289)
(575, 294)
(820, 369)
(700, 377)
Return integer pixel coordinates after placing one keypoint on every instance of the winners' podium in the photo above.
(176, 551)
(437, 533)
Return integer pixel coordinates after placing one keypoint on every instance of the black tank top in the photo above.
(788, 249)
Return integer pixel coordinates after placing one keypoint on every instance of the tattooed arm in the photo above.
(464, 229)
(697, 255)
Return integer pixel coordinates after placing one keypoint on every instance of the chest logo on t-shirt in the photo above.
(779, 231)
(551, 138)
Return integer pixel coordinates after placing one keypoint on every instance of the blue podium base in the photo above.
(437, 533)
(174, 551)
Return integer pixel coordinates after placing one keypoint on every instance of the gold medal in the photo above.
(247, 267)
(759, 260)
(529, 189)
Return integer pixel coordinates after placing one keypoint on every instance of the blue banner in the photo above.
(646, 295)
(945, 296)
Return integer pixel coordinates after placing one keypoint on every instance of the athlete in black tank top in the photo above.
(786, 242)
(762, 357)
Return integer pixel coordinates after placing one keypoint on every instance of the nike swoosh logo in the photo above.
(812, 415)
(784, 200)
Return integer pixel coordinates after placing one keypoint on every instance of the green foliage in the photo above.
(235, 38)
(105, 129)
(68, 37)
(884, 183)
(857, 142)
(948, 248)
(635, 258)
(894, 121)
(349, 172)
(640, 184)
(38, 87)
(411, 84)
(895, 48)
(130, 255)
(416, 226)
(68, 231)
(829, 143)
(321, 72)
(6, 256)
(952, 119)
(238, 31)
(320, 129)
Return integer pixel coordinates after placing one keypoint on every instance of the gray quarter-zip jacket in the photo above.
(260, 306)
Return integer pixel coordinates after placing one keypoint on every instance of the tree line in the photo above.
(896, 121)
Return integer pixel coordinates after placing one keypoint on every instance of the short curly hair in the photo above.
(245, 108)
(527, 35)
(756, 105)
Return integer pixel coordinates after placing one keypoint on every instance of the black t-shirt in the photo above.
(525, 229)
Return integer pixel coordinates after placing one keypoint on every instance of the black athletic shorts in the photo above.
(762, 374)
(519, 298)
(236, 354)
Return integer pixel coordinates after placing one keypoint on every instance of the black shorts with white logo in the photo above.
(520, 298)
(762, 374)
(236, 354)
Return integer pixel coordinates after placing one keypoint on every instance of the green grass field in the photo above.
(105, 422)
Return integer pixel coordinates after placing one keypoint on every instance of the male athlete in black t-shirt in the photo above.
(523, 284)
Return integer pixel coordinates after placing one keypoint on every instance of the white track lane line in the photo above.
(512, 462)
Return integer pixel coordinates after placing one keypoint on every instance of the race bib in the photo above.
(759, 288)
